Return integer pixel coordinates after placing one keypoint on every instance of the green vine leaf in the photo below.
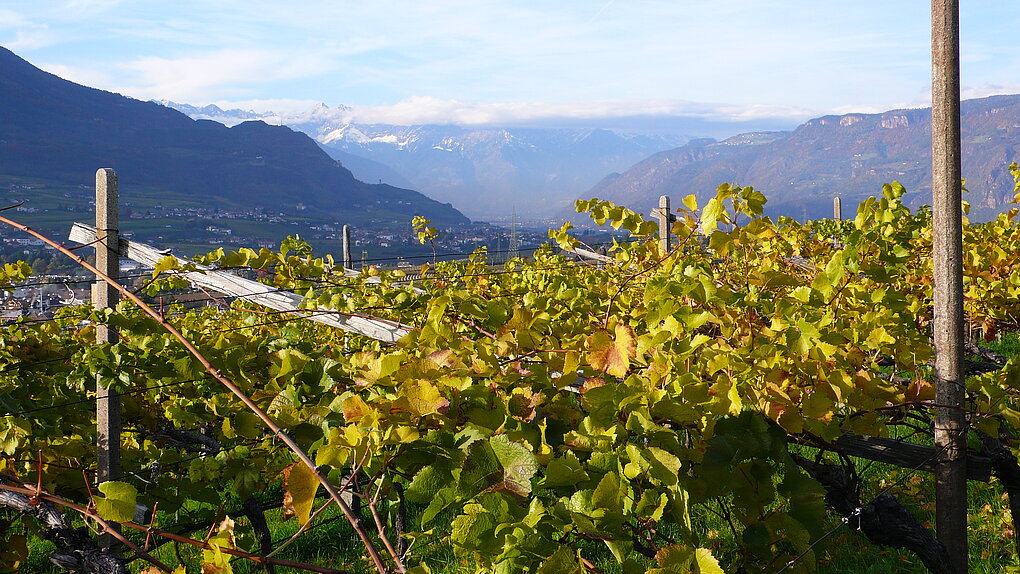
(118, 504)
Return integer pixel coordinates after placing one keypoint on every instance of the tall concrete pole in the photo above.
(346, 246)
(105, 297)
(664, 223)
(947, 253)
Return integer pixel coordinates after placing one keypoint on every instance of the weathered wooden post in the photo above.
(346, 241)
(947, 253)
(837, 209)
(665, 218)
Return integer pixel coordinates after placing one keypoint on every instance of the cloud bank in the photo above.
(676, 116)
(430, 110)
(492, 62)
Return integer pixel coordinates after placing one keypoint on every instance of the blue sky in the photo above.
(503, 61)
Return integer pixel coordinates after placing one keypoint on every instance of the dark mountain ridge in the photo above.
(53, 129)
(849, 155)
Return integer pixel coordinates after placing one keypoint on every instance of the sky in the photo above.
(527, 62)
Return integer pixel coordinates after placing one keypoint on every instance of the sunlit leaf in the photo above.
(119, 501)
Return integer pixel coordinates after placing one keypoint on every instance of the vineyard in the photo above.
(553, 415)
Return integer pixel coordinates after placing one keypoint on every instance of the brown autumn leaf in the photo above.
(299, 486)
(612, 352)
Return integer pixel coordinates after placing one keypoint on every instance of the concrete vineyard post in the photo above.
(106, 297)
(346, 241)
(664, 221)
(947, 253)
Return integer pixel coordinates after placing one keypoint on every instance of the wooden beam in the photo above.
(268, 296)
(908, 454)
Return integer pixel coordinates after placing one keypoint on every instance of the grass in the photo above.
(1008, 345)
(990, 528)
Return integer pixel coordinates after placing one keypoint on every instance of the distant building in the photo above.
(219, 230)
(11, 310)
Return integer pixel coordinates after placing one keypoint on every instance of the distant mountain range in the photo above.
(56, 131)
(483, 171)
(850, 156)
(317, 122)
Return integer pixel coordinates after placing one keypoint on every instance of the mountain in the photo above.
(56, 131)
(368, 170)
(850, 156)
(493, 171)
(316, 122)
(484, 171)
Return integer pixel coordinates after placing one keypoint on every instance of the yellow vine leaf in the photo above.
(214, 560)
(299, 486)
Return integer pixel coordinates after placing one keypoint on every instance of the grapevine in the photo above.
(540, 411)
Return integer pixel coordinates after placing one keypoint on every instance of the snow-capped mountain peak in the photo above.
(482, 171)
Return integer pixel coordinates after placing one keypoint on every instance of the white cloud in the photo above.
(768, 58)
(923, 99)
(17, 32)
(989, 90)
(280, 105)
(90, 6)
(29, 39)
(871, 108)
(424, 110)
(84, 76)
(223, 72)
(759, 112)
